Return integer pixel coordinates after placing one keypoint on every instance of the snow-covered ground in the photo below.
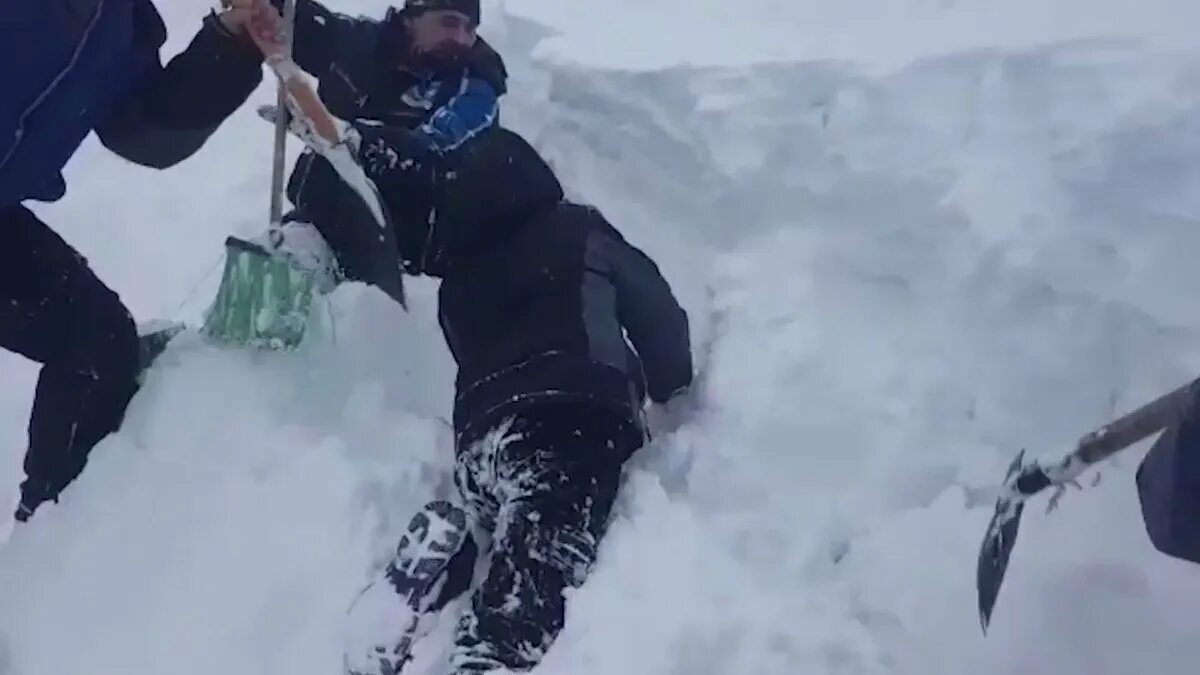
(912, 241)
(881, 34)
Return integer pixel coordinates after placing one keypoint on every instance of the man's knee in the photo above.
(56, 310)
(105, 339)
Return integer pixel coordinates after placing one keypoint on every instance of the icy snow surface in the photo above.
(913, 238)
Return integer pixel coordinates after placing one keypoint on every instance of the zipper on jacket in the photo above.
(19, 134)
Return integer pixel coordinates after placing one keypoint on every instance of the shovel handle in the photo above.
(1141, 423)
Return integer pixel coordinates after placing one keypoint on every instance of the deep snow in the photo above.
(947, 232)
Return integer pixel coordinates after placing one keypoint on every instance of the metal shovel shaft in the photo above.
(280, 157)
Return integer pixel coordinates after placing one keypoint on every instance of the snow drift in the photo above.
(897, 280)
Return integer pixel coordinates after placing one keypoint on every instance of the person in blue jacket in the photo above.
(72, 67)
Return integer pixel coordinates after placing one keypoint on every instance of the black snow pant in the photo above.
(543, 484)
(55, 311)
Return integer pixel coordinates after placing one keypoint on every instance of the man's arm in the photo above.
(391, 153)
(174, 111)
(655, 322)
(320, 33)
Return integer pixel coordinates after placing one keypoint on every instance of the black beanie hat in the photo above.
(468, 7)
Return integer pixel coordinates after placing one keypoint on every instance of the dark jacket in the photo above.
(89, 65)
(360, 67)
(362, 79)
(1168, 483)
(537, 293)
(541, 299)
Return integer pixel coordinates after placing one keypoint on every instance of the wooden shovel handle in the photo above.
(1137, 425)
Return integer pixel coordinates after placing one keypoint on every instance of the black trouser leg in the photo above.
(55, 311)
(546, 488)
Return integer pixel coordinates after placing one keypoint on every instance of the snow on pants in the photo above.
(55, 311)
(543, 484)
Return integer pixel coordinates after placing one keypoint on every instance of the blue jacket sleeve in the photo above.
(473, 109)
(39, 43)
(94, 65)
(398, 156)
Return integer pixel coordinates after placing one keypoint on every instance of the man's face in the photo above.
(441, 35)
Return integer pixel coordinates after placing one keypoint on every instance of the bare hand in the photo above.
(236, 16)
(259, 20)
(266, 29)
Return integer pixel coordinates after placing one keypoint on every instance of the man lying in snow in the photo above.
(422, 69)
(537, 296)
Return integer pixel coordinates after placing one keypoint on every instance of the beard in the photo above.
(442, 57)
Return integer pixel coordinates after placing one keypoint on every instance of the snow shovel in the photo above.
(264, 301)
(1024, 480)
